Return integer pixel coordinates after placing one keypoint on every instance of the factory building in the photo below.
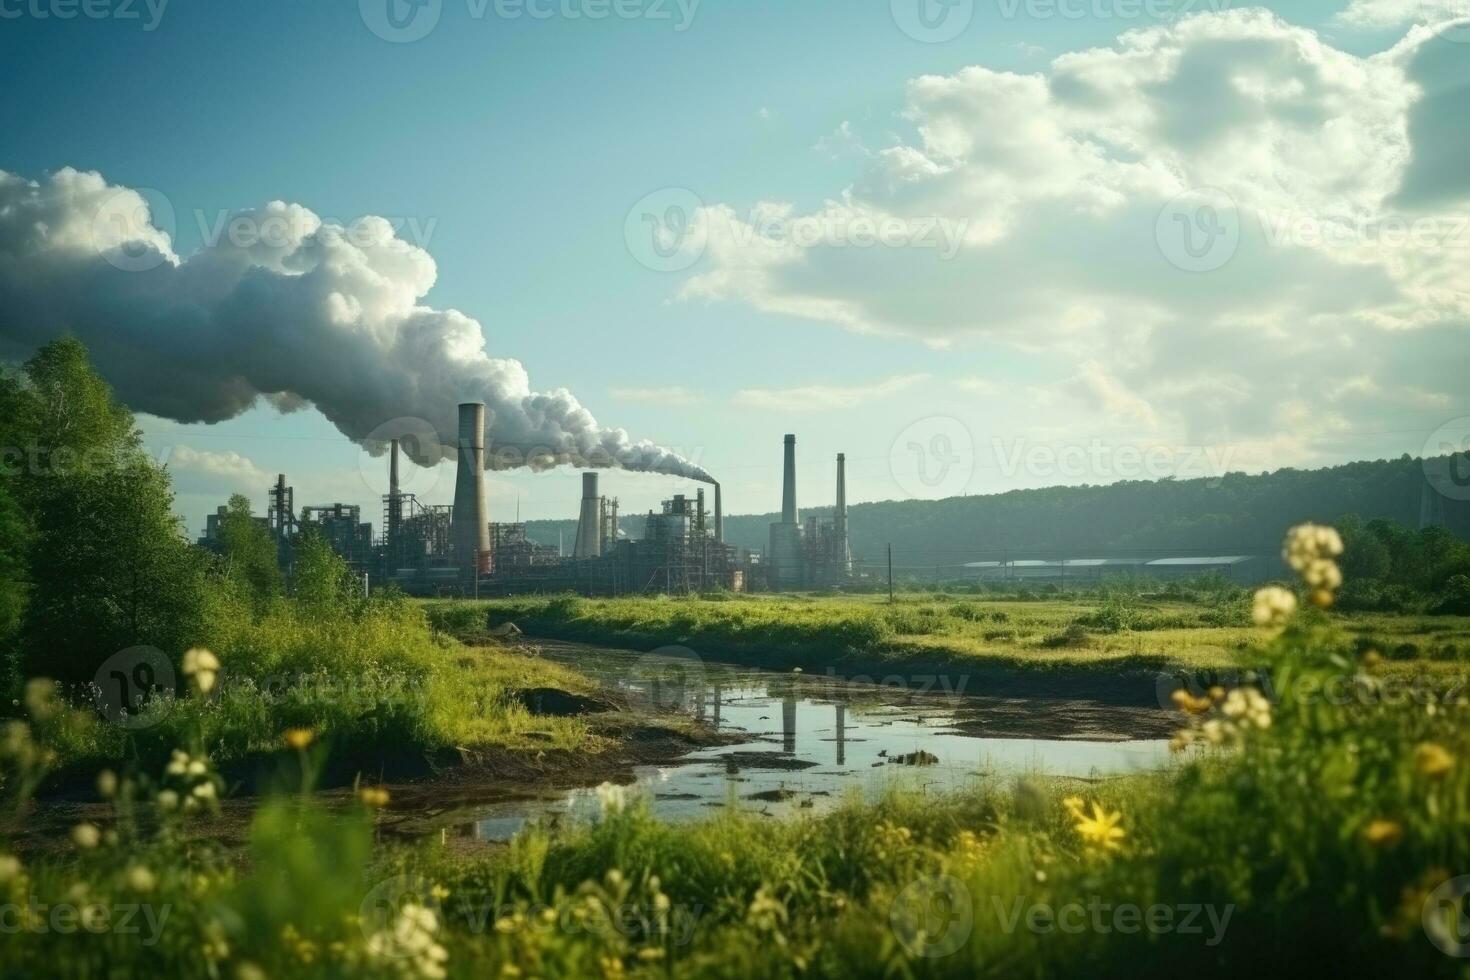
(814, 554)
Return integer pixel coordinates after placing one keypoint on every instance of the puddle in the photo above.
(803, 743)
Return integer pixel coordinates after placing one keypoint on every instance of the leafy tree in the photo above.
(248, 553)
(108, 563)
(321, 578)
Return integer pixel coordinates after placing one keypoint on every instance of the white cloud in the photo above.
(818, 398)
(1327, 164)
(228, 469)
(673, 396)
(1372, 14)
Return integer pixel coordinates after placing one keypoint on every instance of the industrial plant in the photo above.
(437, 549)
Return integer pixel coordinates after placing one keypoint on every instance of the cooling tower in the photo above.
(470, 532)
(589, 522)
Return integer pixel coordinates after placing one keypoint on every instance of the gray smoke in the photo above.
(281, 307)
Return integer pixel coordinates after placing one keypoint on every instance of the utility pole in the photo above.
(890, 573)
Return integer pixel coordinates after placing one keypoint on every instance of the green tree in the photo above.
(321, 578)
(248, 553)
(108, 564)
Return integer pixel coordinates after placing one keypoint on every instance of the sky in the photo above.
(976, 245)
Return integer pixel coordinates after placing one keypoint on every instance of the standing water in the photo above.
(798, 744)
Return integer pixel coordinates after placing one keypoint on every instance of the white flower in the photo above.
(205, 791)
(178, 764)
(140, 879)
(613, 798)
(168, 800)
(202, 667)
(1273, 606)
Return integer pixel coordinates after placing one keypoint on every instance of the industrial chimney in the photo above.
(470, 532)
(788, 485)
(839, 519)
(589, 522)
(719, 517)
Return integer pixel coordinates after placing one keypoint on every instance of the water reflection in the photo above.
(803, 744)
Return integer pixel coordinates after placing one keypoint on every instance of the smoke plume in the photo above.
(282, 307)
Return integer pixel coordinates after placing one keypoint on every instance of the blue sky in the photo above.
(517, 146)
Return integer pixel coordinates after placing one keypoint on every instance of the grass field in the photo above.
(1084, 632)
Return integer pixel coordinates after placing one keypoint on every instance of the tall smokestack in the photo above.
(589, 523)
(719, 517)
(839, 517)
(395, 506)
(788, 486)
(470, 532)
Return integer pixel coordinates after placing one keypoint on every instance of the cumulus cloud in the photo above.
(228, 469)
(817, 398)
(1396, 13)
(1082, 193)
(293, 311)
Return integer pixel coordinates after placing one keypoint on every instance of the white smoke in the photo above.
(300, 312)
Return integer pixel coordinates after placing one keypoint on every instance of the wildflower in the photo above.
(201, 667)
(1100, 828)
(197, 768)
(1273, 606)
(86, 836)
(249, 971)
(41, 698)
(650, 954)
(168, 801)
(299, 739)
(1249, 705)
(1073, 805)
(1311, 550)
(204, 791)
(178, 763)
(10, 867)
(1433, 761)
(1383, 833)
(1188, 703)
(613, 798)
(140, 879)
(373, 797)
(107, 784)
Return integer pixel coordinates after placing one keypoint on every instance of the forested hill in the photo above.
(1220, 515)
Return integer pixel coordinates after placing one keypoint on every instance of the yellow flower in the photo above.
(10, 867)
(1101, 828)
(1433, 761)
(107, 784)
(373, 797)
(1273, 606)
(1383, 833)
(140, 879)
(85, 836)
(202, 667)
(298, 738)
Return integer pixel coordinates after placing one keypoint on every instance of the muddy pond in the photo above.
(797, 743)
